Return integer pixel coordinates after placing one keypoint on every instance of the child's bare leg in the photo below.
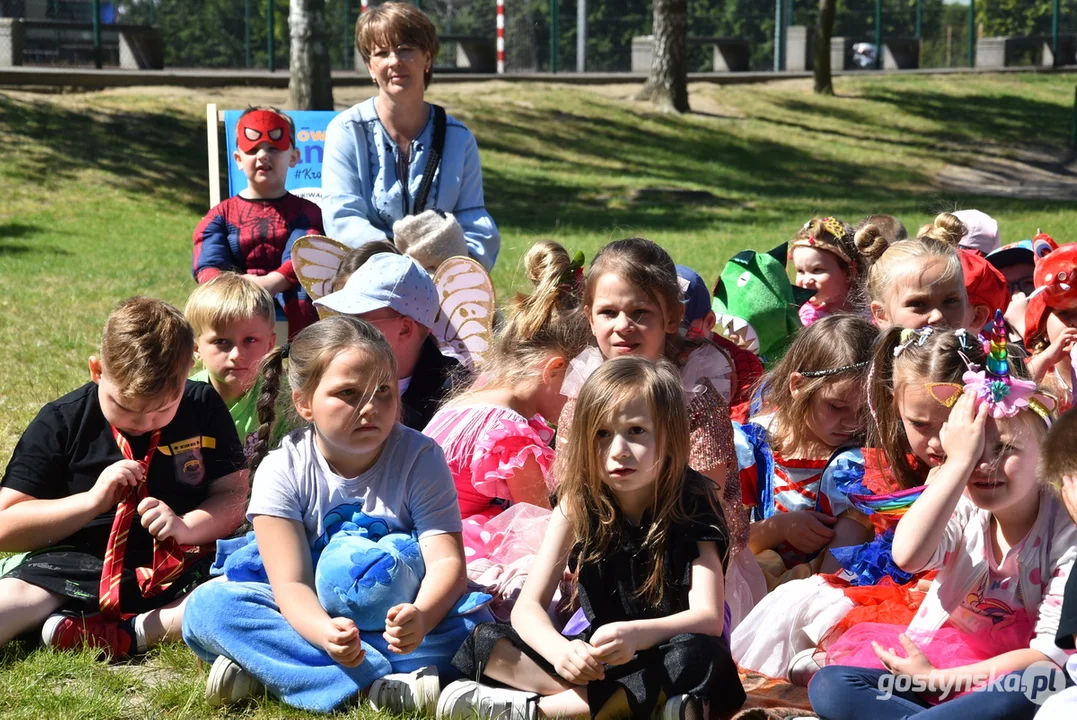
(568, 704)
(164, 623)
(508, 665)
(23, 606)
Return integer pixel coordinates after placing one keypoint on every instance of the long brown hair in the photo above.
(308, 355)
(832, 342)
(936, 358)
(589, 505)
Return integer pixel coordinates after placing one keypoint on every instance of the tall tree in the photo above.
(824, 28)
(310, 86)
(667, 85)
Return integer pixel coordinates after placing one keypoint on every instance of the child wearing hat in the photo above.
(986, 289)
(252, 233)
(1051, 318)
(1017, 263)
(698, 322)
(395, 295)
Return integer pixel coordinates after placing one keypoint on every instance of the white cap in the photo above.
(983, 234)
(387, 281)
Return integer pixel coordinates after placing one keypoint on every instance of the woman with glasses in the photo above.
(382, 162)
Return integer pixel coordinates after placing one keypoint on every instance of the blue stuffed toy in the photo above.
(361, 568)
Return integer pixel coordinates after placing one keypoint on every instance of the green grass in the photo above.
(102, 190)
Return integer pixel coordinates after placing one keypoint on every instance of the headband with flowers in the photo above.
(833, 227)
(1004, 394)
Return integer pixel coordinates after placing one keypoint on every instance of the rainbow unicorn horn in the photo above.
(1005, 395)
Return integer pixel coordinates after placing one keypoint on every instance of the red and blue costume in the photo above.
(254, 237)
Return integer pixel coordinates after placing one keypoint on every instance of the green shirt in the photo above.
(243, 411)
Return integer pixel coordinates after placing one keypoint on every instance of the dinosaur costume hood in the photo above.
(755, 302)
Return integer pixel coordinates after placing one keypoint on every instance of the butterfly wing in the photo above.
(316, 259)
(464, 325)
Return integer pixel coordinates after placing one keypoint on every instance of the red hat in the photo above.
(1056, 284)
(984, 284)
(261, 126)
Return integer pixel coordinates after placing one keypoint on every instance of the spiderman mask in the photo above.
(262, 126)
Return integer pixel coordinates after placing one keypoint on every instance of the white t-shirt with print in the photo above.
(409, 486)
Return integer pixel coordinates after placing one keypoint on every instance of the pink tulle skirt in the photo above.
(947, 647)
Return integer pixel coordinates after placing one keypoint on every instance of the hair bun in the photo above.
(546, 262)
(947, 228)
(870, 241)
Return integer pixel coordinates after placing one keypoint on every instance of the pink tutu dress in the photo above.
(485, 445)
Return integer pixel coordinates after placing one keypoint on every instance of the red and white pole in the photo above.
(500, 37)
(364, 5)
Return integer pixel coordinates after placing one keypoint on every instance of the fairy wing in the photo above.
(464, 325)
(316, 259)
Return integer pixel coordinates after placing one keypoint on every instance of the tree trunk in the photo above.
(310, 86)
(667, 85)
(824, 84)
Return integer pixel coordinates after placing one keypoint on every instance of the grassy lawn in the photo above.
(102, 190)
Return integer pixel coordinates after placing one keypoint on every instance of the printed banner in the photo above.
(305, 179)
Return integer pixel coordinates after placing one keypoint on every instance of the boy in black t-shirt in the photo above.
(116, 493)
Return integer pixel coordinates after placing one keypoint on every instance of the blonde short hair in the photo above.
(147, 348)
(225, 299)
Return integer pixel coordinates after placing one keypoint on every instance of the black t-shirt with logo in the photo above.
(69, 443)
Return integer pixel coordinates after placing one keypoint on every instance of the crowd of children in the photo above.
(872, 492)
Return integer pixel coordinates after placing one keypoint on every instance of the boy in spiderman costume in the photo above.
(252, 233)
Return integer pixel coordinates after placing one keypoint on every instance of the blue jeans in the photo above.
(241, 621)
(839, 692)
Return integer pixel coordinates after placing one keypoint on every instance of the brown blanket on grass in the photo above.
(770, 699)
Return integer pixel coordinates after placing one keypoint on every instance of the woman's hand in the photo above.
(615, 643)
(341, 640)
(915, 664)
(962, 435)
(577, 663)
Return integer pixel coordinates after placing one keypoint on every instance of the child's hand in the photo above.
(405, 628)
(161, 521)
(577, 663)
(615, 643)
(113, 484)
(1060, 348)
(340, 638)
(915, 664)
(962, 435)
(1069, 495)
(807, 530)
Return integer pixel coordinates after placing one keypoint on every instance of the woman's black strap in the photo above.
(433, 160)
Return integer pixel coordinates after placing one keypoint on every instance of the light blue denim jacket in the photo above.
(363, 195)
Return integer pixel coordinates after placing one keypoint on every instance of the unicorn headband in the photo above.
(1004, 394)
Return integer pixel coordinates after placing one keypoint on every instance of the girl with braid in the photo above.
(352, 471)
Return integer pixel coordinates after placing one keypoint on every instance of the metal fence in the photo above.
(540, 35)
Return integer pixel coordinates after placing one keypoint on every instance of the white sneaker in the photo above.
(229, 684)
(802, 667)
(469, 700)
(682, 707)
(413, 692)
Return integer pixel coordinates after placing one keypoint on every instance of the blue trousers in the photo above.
(241, 621)
(839, 692)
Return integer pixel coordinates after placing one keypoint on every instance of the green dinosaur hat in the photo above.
(754, 299)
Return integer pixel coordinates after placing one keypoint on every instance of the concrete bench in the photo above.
(474, 53)
(729, 54)
(138, 47)
(996, 52)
